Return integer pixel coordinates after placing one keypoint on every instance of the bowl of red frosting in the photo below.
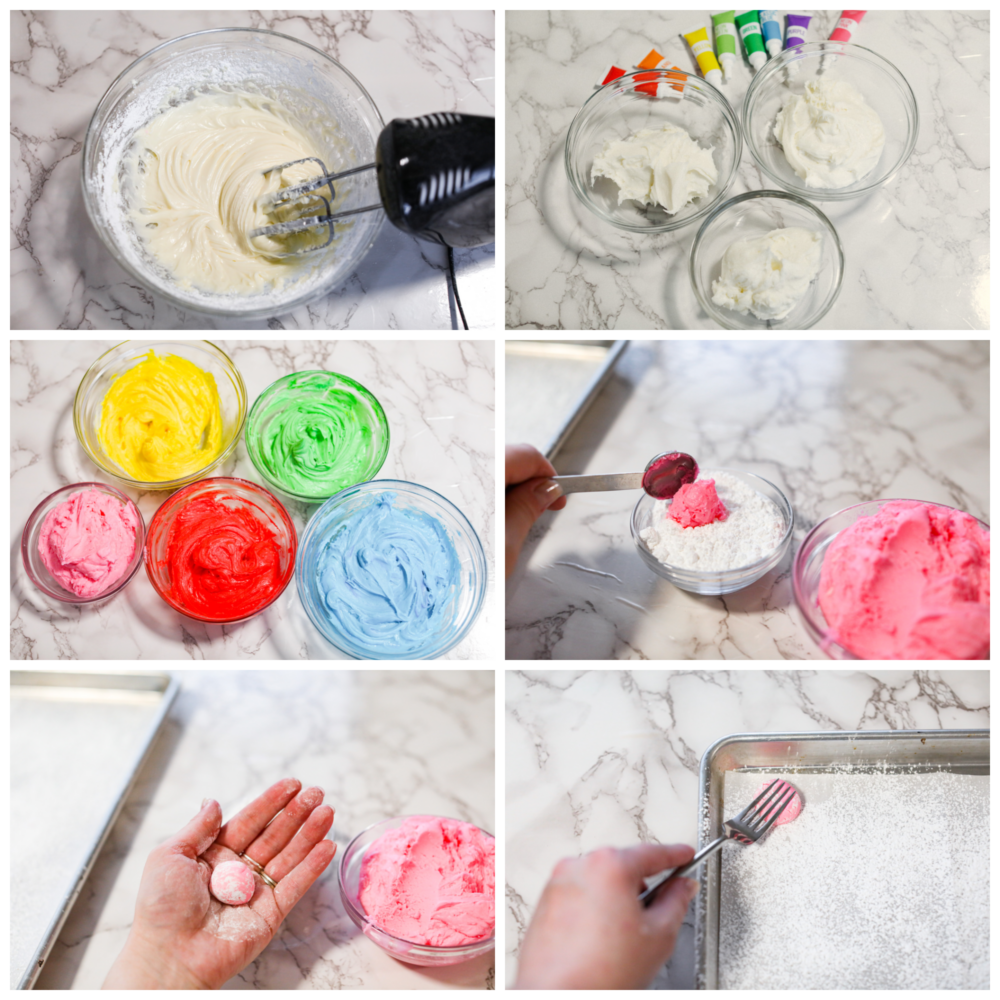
(423, 888)
(83, 543)
(221, 550)
(896, 580)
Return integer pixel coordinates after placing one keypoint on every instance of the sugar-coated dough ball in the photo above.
(232, 883)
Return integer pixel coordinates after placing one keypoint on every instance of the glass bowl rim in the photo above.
(703, 86)
(811, 49)
(273, 388)
(822, 635)
(478, 552)
(35, 519)
(90, 137)
(191, 477)
(253, 487)
(752, 196)
(345, 895)
(787, 511)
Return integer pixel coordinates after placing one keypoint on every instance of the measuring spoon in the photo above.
(664, 475)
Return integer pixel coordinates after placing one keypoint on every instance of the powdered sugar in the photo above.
(881, 883)
(751, 532)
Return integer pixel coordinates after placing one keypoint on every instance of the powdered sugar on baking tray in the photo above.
(751, 532)
(881, 883)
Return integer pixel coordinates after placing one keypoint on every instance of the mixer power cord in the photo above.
(454, 287)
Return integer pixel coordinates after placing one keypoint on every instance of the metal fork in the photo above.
(745, 828)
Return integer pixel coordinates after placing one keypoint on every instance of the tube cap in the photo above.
(773, 47)
(728, 61)
(714, 77)
(757, 60)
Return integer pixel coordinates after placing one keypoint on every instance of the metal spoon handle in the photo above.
(598, 484)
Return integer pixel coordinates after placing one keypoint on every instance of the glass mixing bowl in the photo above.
(234, 494)
(715, 582)
(809, 565)
(95, 383)
(35, 566)
(755, 214)
(883, 86)
(405, 951)
(620, 109)
(312, 434)
(321, 94)
(363, 640)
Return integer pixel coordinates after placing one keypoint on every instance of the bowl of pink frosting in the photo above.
(83, 543)
(896, 580)
(423, 888)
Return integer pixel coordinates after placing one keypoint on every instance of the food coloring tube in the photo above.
(753, 41)
(660, 88)
(612, 72)
(702, 49)
(770, 26)
(849, 20)
(725, 40)
(798, 24)
(651, 60)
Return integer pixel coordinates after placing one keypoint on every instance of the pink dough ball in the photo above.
(792, 810)
(232, 883)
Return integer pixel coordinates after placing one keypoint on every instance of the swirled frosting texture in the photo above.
(198, 173)
(315, 433)
(224, 557)
(389, 577)
(87, 542)
(162, 419)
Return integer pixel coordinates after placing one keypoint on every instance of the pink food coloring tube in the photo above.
(849, 20)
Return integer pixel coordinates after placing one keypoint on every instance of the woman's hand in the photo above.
(530, 492)
(182, 937)
(590, 932)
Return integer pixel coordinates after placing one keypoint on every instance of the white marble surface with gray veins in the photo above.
(379, 743)
(63, 277)
(830, 423)
(598, 758)
(439, 400)
(916, 250)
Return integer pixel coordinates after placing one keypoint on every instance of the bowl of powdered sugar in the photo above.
(726, 554)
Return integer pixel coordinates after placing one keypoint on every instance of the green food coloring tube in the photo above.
(312, 434)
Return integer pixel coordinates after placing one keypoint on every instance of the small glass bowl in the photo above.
(883, 86)
(466, 603)
(755, 214)
(301, 78)
(727, 581)
(620, 109)
(313, 389)
(406, 951)
(119, 359)
(809, 564)
(39, 573)
(255, 498)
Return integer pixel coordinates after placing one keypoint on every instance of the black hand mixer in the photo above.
(435, 181)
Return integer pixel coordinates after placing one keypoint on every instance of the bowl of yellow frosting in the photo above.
(177, 158)
(160, 415)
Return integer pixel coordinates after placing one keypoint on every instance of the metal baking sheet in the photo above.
(961, 751)
(77, 743)
(551, 384)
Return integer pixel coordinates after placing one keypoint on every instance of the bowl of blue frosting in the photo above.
(390, 570)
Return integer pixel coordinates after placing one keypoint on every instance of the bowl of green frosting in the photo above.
(312, 434)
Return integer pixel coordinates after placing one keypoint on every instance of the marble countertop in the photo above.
(831, 423)
(379, 743)
(578, 778)
(916, 250)
(62, 276)
(439, 400)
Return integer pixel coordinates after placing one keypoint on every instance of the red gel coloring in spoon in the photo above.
(667, 473)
